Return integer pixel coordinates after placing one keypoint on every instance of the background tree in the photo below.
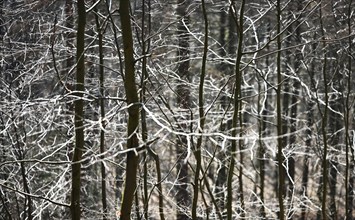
(79, 113)
(183, 197)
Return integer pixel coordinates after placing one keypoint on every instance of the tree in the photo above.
(79, 113)
(133, 111)
(236, 112)
(182, 196)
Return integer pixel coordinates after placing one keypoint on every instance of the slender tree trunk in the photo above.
(102, 115)
(241, 162)
(285, 125)
(263, 117)
(220, 181)
(324, 115)
(183, 100)
(294, 110)
(349, 166)
(159, 185)
(262, 105)
(236, 113)
(145, 50)
(79, 114)
(335, 127)
(305, 172)
(133, 112)
(202, 118)
(280, 140)
(350, 205)
(28, 199)
(333, 169)
(68, 79)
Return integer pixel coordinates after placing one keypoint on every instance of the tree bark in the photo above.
(133, 112)
(280, 139)
(79, 114)
(236, 113)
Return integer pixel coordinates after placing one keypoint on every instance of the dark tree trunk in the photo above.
(133, 112)
(79, 114)
(349, 138)
(237, 117)
(280, 141)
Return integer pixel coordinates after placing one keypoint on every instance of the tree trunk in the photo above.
(236, 112)
(79, 114)
(305, 171)
(335, 127)
(294, 108)
(133, 112)
(349, 176)
(324, 115)
(202, 118)
(102, 115)
(182, 196)
(280, 139)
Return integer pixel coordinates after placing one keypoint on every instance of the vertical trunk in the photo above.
(335, 127)
(102, 115)
(261, 150)
(285, 125)
(133, 112)
(241, 162)
(183, 100)
(197, 150)
(79, 114)
(28, 199)
(68, 77)
(263, 116)
(219, 191)
(145, 50)
(333, 169)
(285, 97)
(236, 113)
(294, 108)
(280, 141)
(159, 180)
(349, 176)
(309, 134)
(350, 203)
(324, 116)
